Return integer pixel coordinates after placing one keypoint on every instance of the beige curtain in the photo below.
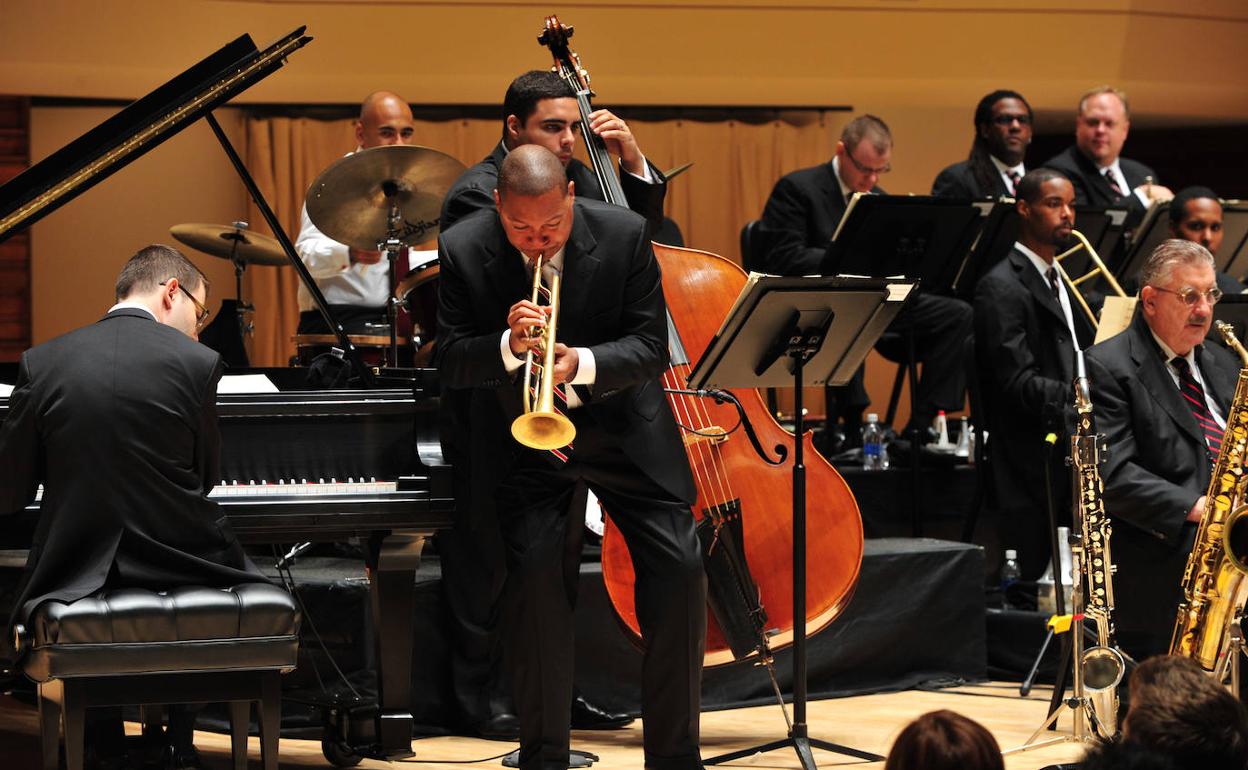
(735, 165)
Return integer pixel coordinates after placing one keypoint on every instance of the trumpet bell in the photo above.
(543, 430)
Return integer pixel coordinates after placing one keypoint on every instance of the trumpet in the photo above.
(1100, 269)
(542, 426)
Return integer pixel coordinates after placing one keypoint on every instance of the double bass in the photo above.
(742, 508)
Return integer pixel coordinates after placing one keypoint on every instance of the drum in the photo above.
(372, 347)
(418, 294)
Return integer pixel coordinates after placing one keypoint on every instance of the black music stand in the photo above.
(777, 328)
(1231, 309)
(918, 237)
(996, 237)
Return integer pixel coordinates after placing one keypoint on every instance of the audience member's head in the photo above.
(863, 153)
(1124, 756)
(1045, 201)
(944, 740)
(384, 119)
(1102, 123)
(540, 108)
(1196, 215)
(1003, 121)
(1177, 709)
(168, 284)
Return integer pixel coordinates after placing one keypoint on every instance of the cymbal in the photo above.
(349, 202)
(221, 240)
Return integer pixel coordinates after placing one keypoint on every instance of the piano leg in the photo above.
(392, 588)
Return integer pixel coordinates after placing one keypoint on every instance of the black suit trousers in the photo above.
(940, 326)
(532, 504)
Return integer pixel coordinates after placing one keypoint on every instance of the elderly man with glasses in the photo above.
(798, 222)
(1161, 398)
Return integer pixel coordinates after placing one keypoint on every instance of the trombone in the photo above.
(542, 426)
(1074, 283)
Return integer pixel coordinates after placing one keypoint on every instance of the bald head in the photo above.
(531, 170)
(385, 118)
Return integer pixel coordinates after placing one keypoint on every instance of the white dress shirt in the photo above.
(1005, 171)
(1115, 170)
(586, 370)
(1196, 375)
(1063, 294)
(133, 306)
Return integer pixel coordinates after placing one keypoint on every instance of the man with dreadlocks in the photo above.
(1002, 132)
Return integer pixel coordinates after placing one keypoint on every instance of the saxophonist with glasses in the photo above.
(610, 347)
(1162, 400)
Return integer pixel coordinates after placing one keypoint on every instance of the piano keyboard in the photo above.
(287, 487)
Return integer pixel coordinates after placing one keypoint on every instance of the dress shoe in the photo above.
(587, 716)
(502, 726)
(575, 759)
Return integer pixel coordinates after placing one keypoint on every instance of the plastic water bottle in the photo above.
(1009, 574)
(873, 451)
(964, 440)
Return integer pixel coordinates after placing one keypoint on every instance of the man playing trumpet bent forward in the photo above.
(1161, 398)
(613, 330)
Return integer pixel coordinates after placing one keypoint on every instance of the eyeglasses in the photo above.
(1191, 296)
(1005, 120)
(865, 169)
(201, 310)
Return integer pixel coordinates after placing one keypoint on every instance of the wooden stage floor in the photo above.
(868, 722)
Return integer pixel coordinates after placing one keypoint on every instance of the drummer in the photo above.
(356, 283)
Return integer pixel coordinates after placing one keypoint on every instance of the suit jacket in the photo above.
(1026, 370)
(611, 302)
(118, 421)
(474, 190)
(1157, 467)
(799, 220)
(958, 181)
(1091, 188)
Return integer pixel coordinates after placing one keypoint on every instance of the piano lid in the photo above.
(138, 128)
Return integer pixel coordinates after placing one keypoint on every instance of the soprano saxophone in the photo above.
(1213, 581)
(1101, 666)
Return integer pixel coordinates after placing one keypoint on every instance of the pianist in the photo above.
(118, 421)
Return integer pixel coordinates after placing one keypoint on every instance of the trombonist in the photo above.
(1026, 329)
(612, 349)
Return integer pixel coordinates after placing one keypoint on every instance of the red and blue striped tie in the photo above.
(1194, 396)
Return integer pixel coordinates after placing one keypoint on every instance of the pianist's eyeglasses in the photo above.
(201, 310)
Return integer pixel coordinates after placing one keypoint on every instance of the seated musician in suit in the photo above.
(356, 284)
(798, 223)
(118, 421)
(612, 348)
(1003, 121)
(1026, 326)
(1196, 215)
(1094, 163)
(1161, 398)
(541, 108)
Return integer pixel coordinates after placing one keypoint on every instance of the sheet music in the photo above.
(246, 383)
(1115, 317)
(6, 390)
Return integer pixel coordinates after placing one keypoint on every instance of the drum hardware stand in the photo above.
(245, 327)
(392, 246)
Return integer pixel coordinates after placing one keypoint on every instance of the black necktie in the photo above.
(1057, 292)
(1194, 396)
(1013, 176)
(1113, 182)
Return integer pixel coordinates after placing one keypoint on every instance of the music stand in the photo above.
(1103, 227)
(996, 237)
(777, 328)
(1234, 257)
(1231, 309)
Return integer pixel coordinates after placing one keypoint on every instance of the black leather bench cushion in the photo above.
(133, 631)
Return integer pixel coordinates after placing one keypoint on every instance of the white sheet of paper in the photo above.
(246, 383)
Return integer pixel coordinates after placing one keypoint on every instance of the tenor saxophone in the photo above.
(1213, 581)
(1102, 666)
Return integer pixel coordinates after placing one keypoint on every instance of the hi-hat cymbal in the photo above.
(230, 242)
(350, 201)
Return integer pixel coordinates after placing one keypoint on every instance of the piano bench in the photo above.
(126, 647)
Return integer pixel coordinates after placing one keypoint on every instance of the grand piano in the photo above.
(298, 464)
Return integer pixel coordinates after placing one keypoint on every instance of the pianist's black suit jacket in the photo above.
(1091, 188)
(118, 421)
(958, 181)
(474, 190)
(800, 218)
(611, 302)
(1156, 469)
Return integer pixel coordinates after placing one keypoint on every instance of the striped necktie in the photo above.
(1013, 176)
(1194, 397)
(1113, 182)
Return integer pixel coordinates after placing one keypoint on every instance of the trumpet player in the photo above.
(611, 349)
(1026, 327)
(1161, 401)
